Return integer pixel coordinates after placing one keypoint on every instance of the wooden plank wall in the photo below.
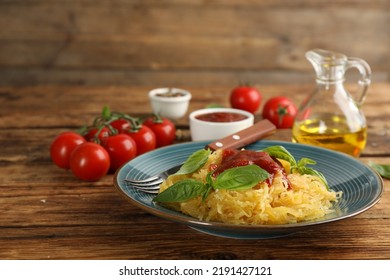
(185, 42)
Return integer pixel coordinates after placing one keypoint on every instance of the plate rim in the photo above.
(194, 222)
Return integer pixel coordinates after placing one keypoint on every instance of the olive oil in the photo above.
(332, 133)
(331, 117)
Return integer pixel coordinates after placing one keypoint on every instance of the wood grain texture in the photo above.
(46, 213)
(176, 43)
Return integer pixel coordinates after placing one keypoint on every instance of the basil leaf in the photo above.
(310, 171)
(240, 178)
(182, 191)
(209, 185)
(194, 162)
(302, 169)
(305, 161)
(383, 169)
(281, 153)
(209, 178)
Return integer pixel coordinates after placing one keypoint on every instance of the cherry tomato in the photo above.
(89, 161)
(62, 147)
(144, 137)
(245, 98)
(121, 148)
(102, 137)
(280, 111)
(121, 125)
(164, 130)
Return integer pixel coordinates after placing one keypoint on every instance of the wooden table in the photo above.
(46, 213)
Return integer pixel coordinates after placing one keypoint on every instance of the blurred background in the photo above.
(185, 42)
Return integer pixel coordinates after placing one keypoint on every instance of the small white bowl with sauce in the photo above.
(171, 103)
(216, 123)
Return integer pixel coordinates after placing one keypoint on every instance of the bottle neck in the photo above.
(323, 82)
(330, 85)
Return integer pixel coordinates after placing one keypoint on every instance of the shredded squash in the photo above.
(307, 199)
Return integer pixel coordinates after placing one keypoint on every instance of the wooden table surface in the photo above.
(46, 213)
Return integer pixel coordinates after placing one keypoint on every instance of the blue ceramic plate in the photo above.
(361, 187)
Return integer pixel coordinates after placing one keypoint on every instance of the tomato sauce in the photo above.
(235, 158)
(221, 117)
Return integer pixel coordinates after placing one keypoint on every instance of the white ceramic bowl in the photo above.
(206, 130)
(171, 107)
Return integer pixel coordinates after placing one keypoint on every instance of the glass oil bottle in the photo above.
(331, 117)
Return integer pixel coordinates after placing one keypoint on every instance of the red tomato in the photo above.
(102, 137)
(89, 161)
(121, 125)
(245, 98)
(62, 147)
(164, 130)
(280, 111)
(145, 139)
(121, 148)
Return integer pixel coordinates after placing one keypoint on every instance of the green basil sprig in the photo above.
(237, 178)
(182, 191)
(300, 166)
(281, 153)
(194, 162)
(383, 169)
(240, 178)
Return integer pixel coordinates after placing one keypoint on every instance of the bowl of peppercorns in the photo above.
(171, 103)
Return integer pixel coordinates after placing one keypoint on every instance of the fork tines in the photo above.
(149, 185)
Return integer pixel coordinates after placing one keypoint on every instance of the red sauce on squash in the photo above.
(235, 158)
(221, 117)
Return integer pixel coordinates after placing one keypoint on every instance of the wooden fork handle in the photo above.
(244, 137)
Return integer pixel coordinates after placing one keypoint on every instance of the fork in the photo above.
(152, 184)
(234, 141)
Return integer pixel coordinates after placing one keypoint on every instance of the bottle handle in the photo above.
(365, 79)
